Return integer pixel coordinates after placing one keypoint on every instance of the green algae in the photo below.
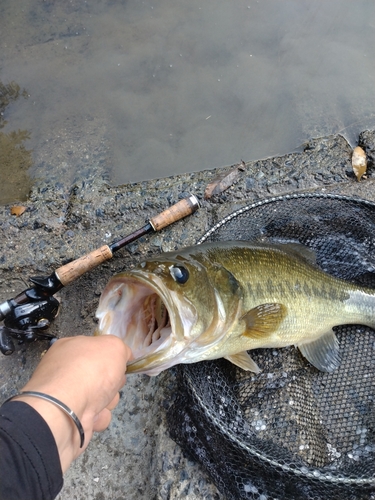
(9, 93)
(15, 161)
(15, 158)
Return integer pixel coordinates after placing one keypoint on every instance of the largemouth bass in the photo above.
(223, 299)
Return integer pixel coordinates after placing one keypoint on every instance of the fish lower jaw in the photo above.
(153, 363)
(144, 371)
(138, 368)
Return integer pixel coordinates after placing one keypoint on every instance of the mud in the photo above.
(135, 458)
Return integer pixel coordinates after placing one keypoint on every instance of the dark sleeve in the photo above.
(29, 460)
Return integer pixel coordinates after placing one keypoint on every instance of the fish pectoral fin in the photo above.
(263, 319)
(244, 361)
(323, 353)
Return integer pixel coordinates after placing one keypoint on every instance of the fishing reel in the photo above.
(28, 315)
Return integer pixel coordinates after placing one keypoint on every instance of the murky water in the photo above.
(146, 89)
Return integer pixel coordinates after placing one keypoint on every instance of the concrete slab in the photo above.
(135, 458)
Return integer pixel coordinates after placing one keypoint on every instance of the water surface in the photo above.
(150, 89)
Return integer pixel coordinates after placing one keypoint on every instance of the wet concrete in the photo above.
(135, 458)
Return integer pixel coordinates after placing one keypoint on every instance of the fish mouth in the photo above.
(143, 314)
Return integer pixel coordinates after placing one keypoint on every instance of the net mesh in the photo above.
(291, 431)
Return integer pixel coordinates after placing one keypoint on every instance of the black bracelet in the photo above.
(58, 403)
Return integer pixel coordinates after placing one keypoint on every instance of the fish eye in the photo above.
(179, 274)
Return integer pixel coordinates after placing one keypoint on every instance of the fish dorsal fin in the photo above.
(323, 353)
(298, 250)
(263, 319)
(244, 361)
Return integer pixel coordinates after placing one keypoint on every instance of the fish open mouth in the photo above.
(156, 318)
(137, 313)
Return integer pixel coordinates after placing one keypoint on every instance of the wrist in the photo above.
(63, 429)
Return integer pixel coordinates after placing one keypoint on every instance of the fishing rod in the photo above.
(28, 315)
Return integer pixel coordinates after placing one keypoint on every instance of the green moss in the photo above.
(8, 93)
(15, 161)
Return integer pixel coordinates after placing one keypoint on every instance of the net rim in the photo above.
(267, 201)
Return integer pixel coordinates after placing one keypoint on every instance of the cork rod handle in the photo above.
(181, 209)
(73, 270)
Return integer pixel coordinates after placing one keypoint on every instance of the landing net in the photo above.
(290, 432)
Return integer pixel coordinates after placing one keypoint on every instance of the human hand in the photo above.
(86, 374)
